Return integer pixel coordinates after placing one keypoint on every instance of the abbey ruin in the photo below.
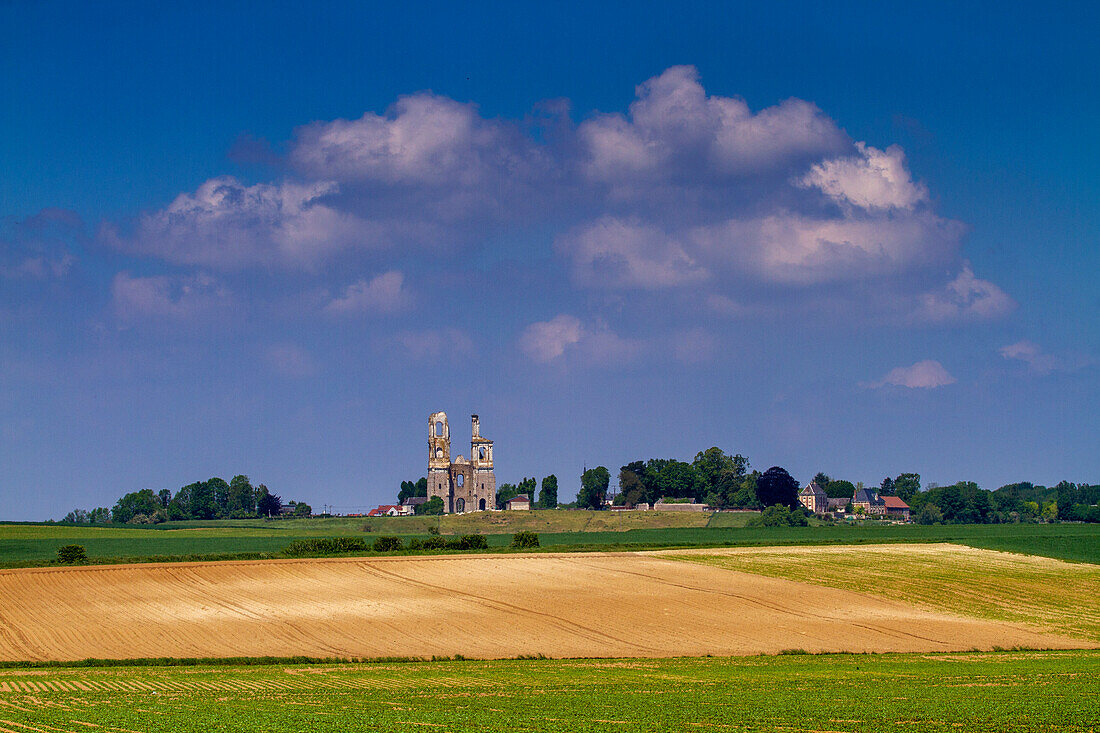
(464, 486)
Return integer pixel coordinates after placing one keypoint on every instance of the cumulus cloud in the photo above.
(227, 225)
(1029, 352)
(166, 297)
(547, 340)
(566, 336)
(684, 190)
(425, 139)
(927, 374)
(610, 252)
(673, 129)
(965, 298)
(384, 293)
(873, 179)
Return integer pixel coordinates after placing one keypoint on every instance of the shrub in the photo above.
(416, 544)
(525, 539)
(435, 542)
(326, 546)
(779, 515)
(387, 544)
(71, 555)
(468, 542)
(433, 530)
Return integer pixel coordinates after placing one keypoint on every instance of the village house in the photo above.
(519, 503)
(385, 510)
(837, 506)
(869, 501)
(814, 498)
(896, 508)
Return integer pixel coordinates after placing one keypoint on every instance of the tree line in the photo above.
(211, 499)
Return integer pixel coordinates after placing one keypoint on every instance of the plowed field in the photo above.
(578, 605)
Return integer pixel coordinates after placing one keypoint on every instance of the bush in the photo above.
(525, 539)
(468, 542)
(433, 530)
(416, 544)
(387, 544)
(435, 542)
(779, 515)
(326, 546)
(72, 555)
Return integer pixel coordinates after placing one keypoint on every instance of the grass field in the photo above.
(1015, 691)
(36, 544)
(1055, 595)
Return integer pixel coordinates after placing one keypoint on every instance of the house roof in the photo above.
(842, 501)
(867, 496)
(520, 497)
(382, 509)
(415, 500)
(814, 489)
(893, 502)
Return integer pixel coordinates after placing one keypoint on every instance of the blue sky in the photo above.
(270, 239)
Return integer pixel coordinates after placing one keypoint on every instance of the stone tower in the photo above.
(463, 485)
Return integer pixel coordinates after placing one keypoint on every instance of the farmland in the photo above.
(24, 545)
(1010, 691)
(1007, 587)
(484, 606)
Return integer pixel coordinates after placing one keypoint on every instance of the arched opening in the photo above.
(481, 453)
(460, 480)
(438, 452)
(460, 505)
(481, 505)
(439, 429)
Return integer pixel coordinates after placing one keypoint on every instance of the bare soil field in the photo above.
(577, 605)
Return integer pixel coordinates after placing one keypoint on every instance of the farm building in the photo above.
(521, 503)
(869, 501)
(896, 508)
(385, 510)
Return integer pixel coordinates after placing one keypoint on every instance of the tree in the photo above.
(886, 488)
(719, 473)
(839, 489)
(779, 515)
(548, 497)
(822, 479)
(268, 504)
(776, 486)
(632, 488)
(165, 496)
(432, 507)
(906, 486)
(528, 486)
(505, 493)
(594, 483)
(930, 514)
(203, 501)
(301, 509)
(221, 497)
(410, 489)
(135, 503)
(240, 498)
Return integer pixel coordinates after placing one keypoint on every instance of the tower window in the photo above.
(459, 480)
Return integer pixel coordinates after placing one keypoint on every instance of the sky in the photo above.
(272, 238)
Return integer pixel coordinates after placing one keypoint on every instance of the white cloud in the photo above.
(564, 336)
(384, 293)
(228, 225)
(1029, 352)
(547, 340)
(673, 127)
(873, 179)
(927, 374)
(172, 297)
(425, 139)
(614, 253)
(965, 298)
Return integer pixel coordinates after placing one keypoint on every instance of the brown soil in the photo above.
(576, 605)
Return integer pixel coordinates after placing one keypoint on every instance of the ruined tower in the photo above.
(463, 485)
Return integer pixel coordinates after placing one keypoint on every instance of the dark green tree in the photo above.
(165, 496)
(906, 486)
(548, 497)
(776, 486)
(594, 483)
(204, 505)
(268, 504)
(221, 497)
(143, 502)
(432, 507)
(505, 493)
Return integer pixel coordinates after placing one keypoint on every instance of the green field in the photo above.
(1010, 691)
(31, 544)
(1056, 596)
